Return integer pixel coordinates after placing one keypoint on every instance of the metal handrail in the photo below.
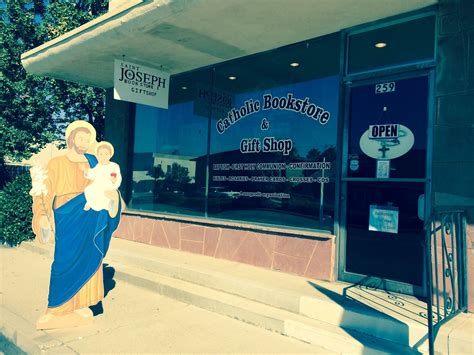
(446, 267)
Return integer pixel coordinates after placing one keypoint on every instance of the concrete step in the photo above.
(315, 302)
(335, 307)
(331, 337)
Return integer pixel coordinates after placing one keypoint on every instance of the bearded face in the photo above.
(81, 142)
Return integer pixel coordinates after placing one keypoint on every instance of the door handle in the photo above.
(421, 207)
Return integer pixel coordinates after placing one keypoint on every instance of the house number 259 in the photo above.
(384, 88)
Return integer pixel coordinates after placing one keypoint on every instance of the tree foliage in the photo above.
(15, 211)
(178, 173)
(34, 110)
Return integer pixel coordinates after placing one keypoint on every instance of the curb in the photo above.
(25, 336)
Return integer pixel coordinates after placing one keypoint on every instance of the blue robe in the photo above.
(82, 240)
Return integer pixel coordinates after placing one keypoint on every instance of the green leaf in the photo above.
(33, 109)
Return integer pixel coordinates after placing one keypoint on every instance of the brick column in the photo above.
(453, 159)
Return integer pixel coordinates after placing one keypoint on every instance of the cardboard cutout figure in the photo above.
(81, 228)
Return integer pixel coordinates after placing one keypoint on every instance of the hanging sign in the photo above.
(214, 100)
(387, 141)
(383, 219)
(384, 131)
(141, 84)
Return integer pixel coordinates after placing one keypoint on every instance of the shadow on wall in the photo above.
(109, 284)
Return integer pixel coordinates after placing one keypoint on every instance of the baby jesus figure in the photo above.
(105, 176)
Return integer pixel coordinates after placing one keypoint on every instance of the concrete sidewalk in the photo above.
(331, 317)
(133, 320)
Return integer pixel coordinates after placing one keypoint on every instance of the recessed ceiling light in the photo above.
(232, 77)
(184, 87)
(380, 45)
(294, 65)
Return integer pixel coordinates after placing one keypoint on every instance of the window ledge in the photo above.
(234, 225)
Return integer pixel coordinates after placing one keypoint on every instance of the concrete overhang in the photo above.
(178, 35)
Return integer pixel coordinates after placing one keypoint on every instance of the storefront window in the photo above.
(168, 144)
(273, 155)
(258, 144)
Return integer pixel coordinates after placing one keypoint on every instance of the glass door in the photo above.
(385, 182)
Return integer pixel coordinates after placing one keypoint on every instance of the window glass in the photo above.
(403, 43)
(387, 126)
(272, 155)
(272, 120)
(375, 253)
(168, 145)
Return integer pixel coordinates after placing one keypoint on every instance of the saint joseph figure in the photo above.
(81, 237)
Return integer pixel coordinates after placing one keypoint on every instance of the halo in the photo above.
(102, 144)
(84, 124)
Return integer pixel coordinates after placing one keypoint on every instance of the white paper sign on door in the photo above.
(383, 169)
(383, 219)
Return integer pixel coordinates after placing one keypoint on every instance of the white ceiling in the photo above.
(178, 35)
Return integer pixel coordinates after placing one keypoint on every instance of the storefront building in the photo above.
(309, 137)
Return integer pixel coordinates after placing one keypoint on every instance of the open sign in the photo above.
(387, 143)
(384, 131)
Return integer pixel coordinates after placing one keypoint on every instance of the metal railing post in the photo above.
(429, 283)
(452, 227)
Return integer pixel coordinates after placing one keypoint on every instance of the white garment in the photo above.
(102, 182)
